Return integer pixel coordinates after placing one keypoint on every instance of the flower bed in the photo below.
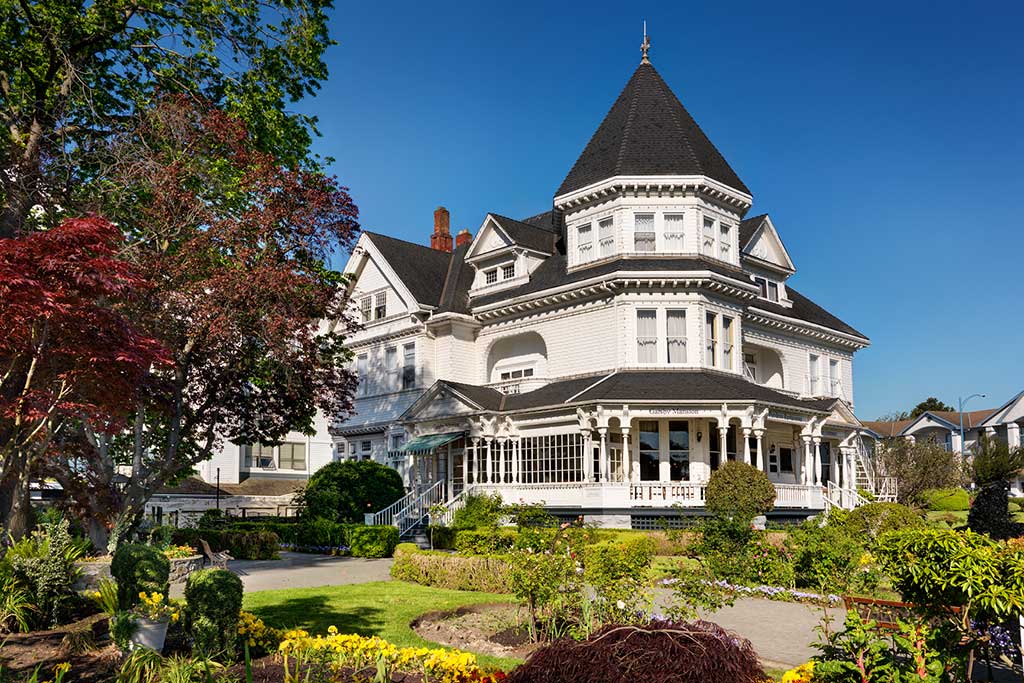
(773, 593)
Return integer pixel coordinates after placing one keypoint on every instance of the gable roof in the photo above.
(636, 386)
(890, 428)
(455, 293)
(648, 132)
(748, 227)
(422, 269)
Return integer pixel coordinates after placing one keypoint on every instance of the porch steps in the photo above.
(418, 534)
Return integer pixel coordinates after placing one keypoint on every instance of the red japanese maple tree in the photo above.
(234, 246)
(68, 354)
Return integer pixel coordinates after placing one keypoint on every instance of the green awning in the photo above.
(422, 444)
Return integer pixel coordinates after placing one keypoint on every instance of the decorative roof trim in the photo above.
(810, 329)
(617, 280)
(656, 184)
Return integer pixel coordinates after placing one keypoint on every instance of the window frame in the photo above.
(408, 369)
(491, 276)
(508, 271)
(606, 240)
(652, 232)
(680, 342)
(380, 305)
(646, 340)
(290, 447)
(711, 341)
(585, 247)
(814, 374)
(675, 238)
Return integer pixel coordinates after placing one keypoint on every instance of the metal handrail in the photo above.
(386, 517)
(418, 508)
(453, 506)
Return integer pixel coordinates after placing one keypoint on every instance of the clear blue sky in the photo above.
(884, 139)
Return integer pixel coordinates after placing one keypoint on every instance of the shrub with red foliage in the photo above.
(662, 651)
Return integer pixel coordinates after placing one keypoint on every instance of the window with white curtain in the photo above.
(585, 243)
(833, 377)
(606, 236)
(380, 305)
(711, 339)
(643, 232)
(647, 336)
(675, 336)
(727, 343)
(708, 237)
(674, 235)
(391, 366)
(814, 374)
(724, 240)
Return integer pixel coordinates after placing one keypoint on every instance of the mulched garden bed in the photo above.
(83, 644)
(493, 629)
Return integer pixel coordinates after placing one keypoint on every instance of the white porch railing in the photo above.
(409, 510)
(454, 505)
(678, 493)
(888, 490)
(842, 497)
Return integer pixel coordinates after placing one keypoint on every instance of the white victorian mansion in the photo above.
(604, 357)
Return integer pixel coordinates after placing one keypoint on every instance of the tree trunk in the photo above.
(15, 504)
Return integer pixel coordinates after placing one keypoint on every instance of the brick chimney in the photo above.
(442, 237)
(464, 237)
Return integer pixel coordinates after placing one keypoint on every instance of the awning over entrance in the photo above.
(422, 444)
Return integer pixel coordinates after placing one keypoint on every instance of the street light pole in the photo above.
(963, 402)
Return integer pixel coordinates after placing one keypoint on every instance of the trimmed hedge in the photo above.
(372, 541)
(947, 500)
(444, 570)
(241, 545)
(484, 541)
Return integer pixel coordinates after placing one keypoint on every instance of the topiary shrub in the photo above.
(661, 651)
(372, 541)
(345, 491)
(739, 490)
(213, 601)
(139, 568)
(946, 500)
(874, 519)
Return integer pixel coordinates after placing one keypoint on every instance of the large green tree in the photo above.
(75, 72)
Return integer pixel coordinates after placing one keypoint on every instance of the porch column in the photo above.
(603, 433)
(627, 456)
(759, 435)
(723, 447)
(489, 473)
(1012, 434)
(474, 457)
(515, 460)
(805, 468)
(817, 461)
(588, 455)
(958, 446)
(501, 460)
(746, 445)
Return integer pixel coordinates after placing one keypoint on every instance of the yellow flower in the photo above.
(142, 595)
(801, 674)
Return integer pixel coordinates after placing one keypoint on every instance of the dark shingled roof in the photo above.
(253, 486)
(545, 221)
(638, 386)
(528, 235)
(422, 269)
(552, 273)
(806, 310)
(455, 295)
(648, 132)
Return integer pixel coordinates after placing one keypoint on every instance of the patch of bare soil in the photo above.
(83, 644)
(485, 629)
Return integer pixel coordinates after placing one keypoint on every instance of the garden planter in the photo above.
(149, 633)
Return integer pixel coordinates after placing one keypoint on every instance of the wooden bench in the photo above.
(217, 560)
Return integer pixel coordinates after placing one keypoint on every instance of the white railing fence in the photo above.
(888, 489)
(841, 497)
(685, 493)
(446, 517)
(409, 510)
(867, 464)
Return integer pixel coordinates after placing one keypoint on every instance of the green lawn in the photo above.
(383, 608)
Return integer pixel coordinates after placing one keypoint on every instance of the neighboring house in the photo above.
(604, 357)
(943, 427)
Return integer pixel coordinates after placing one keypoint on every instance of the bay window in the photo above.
(646, 336)
(643, 232)
(675, 336)
(724, 241)
(708, 237)
(711, 340)
(727, 342)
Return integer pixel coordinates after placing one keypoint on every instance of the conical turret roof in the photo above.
(648, 132)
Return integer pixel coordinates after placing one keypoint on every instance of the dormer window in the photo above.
(508, 271)
(585, 243)
(644, 238)
(490, 276)
(606, 236)
(769, 290)
(674, 235)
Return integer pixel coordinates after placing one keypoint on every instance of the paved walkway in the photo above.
(303, 570)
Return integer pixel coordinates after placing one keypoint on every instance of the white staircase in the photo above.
(408, 512)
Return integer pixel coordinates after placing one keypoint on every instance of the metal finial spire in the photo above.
(645, 46)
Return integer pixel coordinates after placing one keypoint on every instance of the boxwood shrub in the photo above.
(213, 601)
(138, 568)
(444, 570)
(484, 541)
(947, 500)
